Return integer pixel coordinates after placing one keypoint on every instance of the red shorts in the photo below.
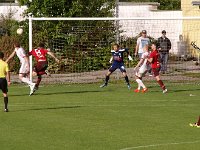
(40, 67)
(156, 71)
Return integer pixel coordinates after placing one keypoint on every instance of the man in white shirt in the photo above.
(141, 42)
(25, 67)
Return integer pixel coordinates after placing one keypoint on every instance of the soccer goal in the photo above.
(83, 45)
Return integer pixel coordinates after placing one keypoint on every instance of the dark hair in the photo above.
(17, 44)
(154, 43)
(1, 55)
(115, 45)
(41, 45)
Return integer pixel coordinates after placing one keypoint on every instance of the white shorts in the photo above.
(24, 69)
(141, 72)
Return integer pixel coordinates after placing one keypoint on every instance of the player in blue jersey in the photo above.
(117, 63)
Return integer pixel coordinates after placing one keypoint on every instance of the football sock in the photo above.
(127, 80)
(140, 83)
(38, 80)
(6, 102)
(26, 80)
(107, 78)
(198, 123)
(161, 84)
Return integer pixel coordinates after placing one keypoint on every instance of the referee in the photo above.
(4, 73)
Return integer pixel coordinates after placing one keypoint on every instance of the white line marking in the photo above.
(156, 145)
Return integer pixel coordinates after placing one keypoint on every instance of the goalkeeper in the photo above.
(117, 63)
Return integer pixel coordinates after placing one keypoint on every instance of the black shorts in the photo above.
(40, 67)
(3, 85)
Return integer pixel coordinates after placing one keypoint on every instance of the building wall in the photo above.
(191, 28)
(6, 8)
(132, 28)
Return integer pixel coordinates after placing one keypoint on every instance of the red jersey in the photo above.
(156, 59)
(39, 54)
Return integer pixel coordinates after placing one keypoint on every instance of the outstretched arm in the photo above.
(11, 56)
(53, 56)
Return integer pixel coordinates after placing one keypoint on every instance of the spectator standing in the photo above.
(164, 46)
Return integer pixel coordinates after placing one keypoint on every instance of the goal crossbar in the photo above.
(114, 18)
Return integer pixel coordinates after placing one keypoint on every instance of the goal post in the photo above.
(90, 39)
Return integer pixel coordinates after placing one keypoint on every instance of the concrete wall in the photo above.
(154, 27)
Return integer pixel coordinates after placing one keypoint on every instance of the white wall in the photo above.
(154, 27)
(16, 10)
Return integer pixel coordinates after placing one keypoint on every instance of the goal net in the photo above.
(83, 45)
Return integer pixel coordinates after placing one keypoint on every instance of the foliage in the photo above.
(72, 40)
(8, 36)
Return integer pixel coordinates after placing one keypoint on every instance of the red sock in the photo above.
(198, 123)
(161, 84)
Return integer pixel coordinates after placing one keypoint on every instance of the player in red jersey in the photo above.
(154, 59)
(42, 64)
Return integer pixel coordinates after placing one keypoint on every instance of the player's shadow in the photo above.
(48, 108)
(55, 93)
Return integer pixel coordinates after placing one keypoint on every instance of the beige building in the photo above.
(191, 28)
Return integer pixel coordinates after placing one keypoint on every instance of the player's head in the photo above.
(1, 55)
(41, 45)
(144, 33)
(146, 48)
(153, 46)
(115, 47)
(16, 44)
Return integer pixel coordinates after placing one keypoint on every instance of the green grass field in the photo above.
(85, 117)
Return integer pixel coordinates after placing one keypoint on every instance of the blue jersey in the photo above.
(118, 56)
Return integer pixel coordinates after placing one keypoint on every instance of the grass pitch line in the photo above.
(157, 145)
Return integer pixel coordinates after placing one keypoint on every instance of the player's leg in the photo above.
(160, 82)
(110, 71)
(123, 70)
(4, 88)
(141, 72)
(196, 124)
(39, 78)
(24, 70)
(40, 69)
(107, 78)
(5, 96)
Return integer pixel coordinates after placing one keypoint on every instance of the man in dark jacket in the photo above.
(164, 45)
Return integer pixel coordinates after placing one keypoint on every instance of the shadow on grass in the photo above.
(178, 90)
(48, 108)
(55, 93)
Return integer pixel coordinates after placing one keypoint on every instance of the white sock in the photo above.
(140, 83)
(26, 80)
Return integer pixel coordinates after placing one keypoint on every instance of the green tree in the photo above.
(76, 40)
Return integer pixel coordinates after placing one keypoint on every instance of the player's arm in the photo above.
(53, 56)
(136, 49)
(129, 56)
(111, 59)
(10, 57)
